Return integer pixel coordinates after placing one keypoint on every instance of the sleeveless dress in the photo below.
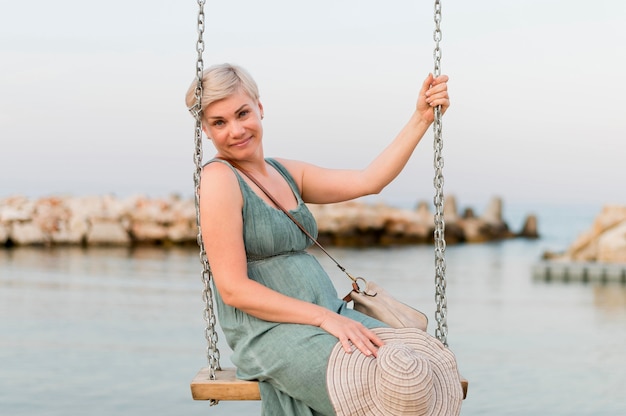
(289, 360)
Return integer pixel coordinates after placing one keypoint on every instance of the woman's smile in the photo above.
(243, 142)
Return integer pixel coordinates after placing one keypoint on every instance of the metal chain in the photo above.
(441, 314)
(210, 333)
(441, 332)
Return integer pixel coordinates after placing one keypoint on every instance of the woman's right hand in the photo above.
(434, 93)
(351, 334)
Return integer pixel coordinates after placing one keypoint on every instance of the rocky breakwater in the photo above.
(357, 224)
(603, 242)
(137, 220)
(96, 220)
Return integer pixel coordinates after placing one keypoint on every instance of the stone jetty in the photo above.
(598, 255)
(603, 242)
(139, 220)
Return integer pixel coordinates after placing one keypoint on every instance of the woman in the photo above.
(277, 307)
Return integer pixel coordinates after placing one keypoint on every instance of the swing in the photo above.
(214, 383)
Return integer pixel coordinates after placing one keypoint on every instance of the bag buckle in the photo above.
(357, 288)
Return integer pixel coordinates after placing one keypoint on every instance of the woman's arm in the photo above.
(222, 230)
(320, 185)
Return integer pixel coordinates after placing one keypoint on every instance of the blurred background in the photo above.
(92, 103)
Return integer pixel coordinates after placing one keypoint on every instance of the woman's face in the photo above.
(234, 125)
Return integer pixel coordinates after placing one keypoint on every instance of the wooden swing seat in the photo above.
(227, 386)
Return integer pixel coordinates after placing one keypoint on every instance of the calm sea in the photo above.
(120, 332)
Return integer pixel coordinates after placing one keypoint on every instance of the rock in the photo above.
(50, 213)
(107, 232)
(404, 227)
(182, 231)
(27, 233)
(450, 214)
(73, 231)
(4, 234)
(424, 215)
(530, 229)
(585, 247)
(474, 230)
(148, 231)
(17, 208)
(183, 210)
(605, 241)
(147, 210)
(468, 213)
(493, 213)
(612, 245)
(494, 227)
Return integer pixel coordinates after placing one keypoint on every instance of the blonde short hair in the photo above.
(221, 81)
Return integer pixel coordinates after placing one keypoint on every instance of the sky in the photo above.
(92, 93)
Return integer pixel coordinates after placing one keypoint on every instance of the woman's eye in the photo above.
(218, 123)
(243, 113)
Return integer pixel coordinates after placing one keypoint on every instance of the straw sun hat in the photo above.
(414, 374)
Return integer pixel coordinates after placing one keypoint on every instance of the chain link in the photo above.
(210, 332)
(441, 313)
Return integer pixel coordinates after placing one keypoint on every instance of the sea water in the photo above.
(117, 331)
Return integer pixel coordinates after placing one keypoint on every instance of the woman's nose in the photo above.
(237, 128)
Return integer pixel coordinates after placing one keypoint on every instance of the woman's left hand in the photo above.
(351, 334)
(434, 93)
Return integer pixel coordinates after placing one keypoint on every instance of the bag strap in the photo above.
(355, 280)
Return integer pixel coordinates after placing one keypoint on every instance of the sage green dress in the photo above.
(289, 360)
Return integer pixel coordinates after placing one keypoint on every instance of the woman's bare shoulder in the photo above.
(219, 179)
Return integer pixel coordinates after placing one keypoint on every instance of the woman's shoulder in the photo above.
(218, 173)
(220, 188)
